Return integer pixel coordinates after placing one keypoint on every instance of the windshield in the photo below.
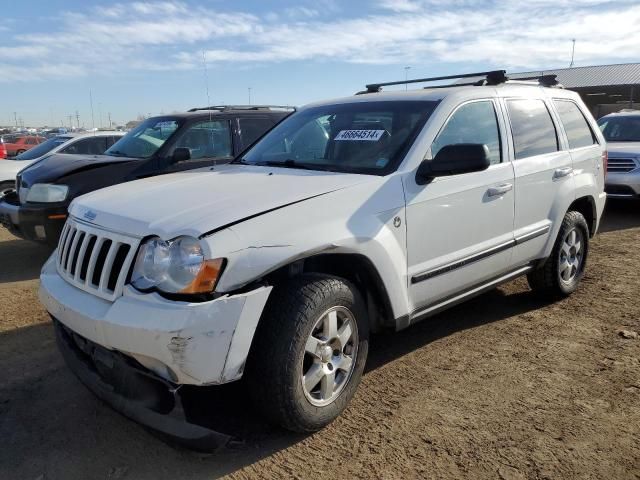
(144, 140)
(359, 137)
(44, 147)
(620, 129)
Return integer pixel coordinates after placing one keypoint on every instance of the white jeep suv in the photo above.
(351, 215)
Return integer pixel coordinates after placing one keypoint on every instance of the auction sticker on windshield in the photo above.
(360, 135)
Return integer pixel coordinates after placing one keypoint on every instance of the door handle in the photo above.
(499, 190)
(562, 172)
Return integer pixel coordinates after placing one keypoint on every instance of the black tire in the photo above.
(547, 279)
(277, 360)
(19, 152)
(6, 186)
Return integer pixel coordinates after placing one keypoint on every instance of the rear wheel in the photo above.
(309, 352)
(19, 152)
(6, 186)
(561, 273)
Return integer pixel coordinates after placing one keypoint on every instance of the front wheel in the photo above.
(561, 273)
(20, 152)
(309, 352)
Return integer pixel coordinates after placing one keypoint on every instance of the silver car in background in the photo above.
(622, 133)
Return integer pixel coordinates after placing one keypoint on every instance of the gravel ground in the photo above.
(505, 386)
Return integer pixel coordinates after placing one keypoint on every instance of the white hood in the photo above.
(199, 201)
(10, 168)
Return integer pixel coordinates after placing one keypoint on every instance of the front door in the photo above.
(209, 142)
(460, 228)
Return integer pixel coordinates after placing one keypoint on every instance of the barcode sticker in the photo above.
(360, 135)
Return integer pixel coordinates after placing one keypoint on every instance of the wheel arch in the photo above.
(354, 267)
(587, 207)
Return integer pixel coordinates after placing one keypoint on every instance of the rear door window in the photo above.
(253, 128)
(575, 125)
(533, 130)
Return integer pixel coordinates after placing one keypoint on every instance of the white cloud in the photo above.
(169, 35)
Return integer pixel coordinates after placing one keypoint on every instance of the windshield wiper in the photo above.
(116, 153)
(288, 163)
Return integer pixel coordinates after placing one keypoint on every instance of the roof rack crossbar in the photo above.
(242, 107)
(493, 77)
(550, 80)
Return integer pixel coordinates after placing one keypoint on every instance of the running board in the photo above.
(424, 312)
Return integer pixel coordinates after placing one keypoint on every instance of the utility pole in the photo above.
(406, 76)
(573, 51)
(15, 118)
(70, 117)
(109, 114)
(78, 119)
(93, 123)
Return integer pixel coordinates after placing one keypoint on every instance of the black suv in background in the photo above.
(201, 137)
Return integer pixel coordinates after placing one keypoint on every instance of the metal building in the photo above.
(604, 88)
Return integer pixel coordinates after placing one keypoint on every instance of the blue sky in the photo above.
(146, 57)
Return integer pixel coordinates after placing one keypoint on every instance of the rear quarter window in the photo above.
(579, 134)
(532, 128)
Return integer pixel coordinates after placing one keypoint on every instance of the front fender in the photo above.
(366, 219)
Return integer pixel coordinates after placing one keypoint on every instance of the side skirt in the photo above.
(434, 308)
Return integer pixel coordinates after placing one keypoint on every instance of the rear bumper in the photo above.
(32, 222)
(133, 391)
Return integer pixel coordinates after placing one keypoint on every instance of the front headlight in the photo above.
(47, 193)
(175, 266)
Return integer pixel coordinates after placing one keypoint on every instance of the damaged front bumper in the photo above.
(133, 391)
(199, 343)
(139, 352)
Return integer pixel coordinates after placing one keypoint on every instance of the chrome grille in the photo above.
(95, 260)
(621, 165)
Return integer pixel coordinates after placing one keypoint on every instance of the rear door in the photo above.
(586, 152)
(543, 174)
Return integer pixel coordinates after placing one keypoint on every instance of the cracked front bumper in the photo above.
(133, 391)
(184, 343)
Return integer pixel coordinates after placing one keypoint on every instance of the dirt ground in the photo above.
(506, 386)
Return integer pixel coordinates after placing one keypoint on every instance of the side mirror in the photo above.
(181, 154)
(454, 160)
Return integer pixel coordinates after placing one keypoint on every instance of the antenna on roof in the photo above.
(206, 83)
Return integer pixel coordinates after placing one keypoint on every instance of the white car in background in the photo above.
(90, 143)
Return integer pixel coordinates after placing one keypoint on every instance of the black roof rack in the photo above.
(224, 108)
(544, 80)
(493, 77)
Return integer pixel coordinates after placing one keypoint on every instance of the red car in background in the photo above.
(17, 144)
